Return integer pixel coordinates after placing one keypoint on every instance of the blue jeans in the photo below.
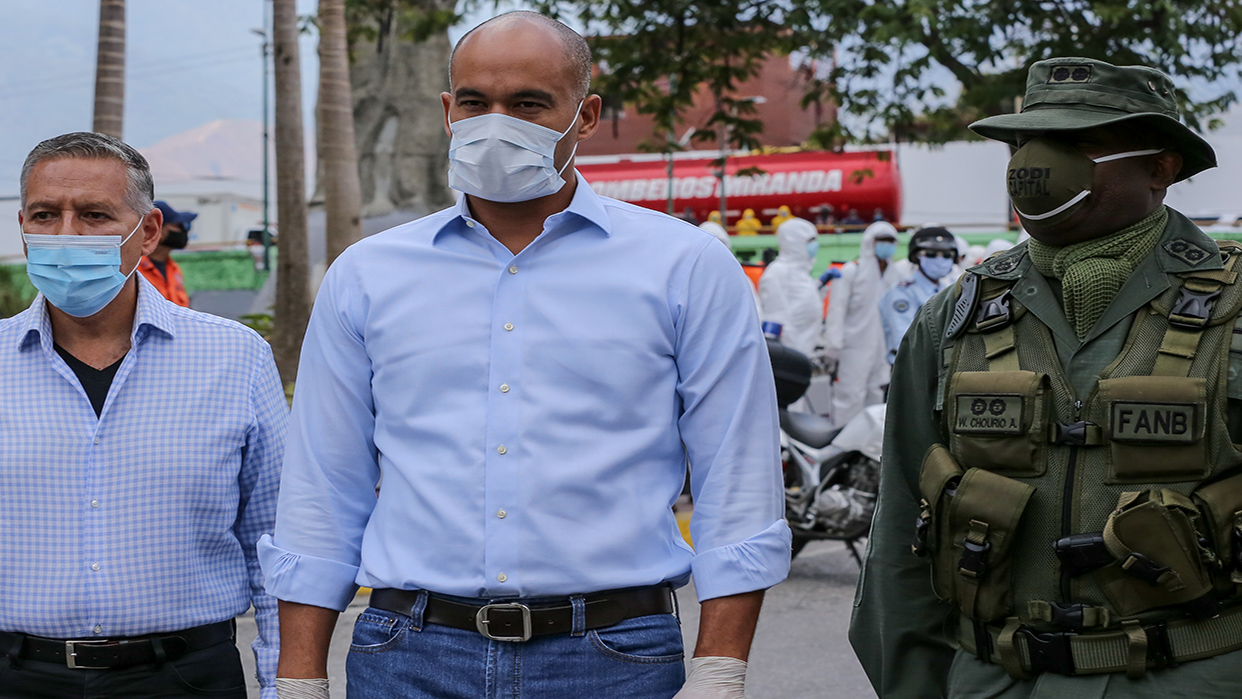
(393, 655)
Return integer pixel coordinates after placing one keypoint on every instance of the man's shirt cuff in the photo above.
(756, 563)
(303, 579)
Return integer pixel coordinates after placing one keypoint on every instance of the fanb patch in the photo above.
(1070, 74)
(989, 414)
(1187, 251)
(1163, 423)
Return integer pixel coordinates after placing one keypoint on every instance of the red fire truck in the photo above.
(804, 181)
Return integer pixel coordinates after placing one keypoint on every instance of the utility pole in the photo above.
(265, 51)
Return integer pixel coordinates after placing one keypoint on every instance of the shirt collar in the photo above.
(585, 205)
(154, 312)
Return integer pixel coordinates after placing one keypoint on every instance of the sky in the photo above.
(188, 62)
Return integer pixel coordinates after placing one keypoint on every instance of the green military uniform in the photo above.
(1012, 434)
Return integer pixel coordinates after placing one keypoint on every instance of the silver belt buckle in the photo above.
(71, 654)
(481, 622)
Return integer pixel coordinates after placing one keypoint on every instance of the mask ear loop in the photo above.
(126, 240)
(565, 133)
(1127, 154)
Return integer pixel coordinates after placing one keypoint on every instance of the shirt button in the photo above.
(509, 327)
(512, 269)
(94, 566)
(502, 514)
(501, 450)
(94, 503)
(469, 223)
(98, 629)
(502, 577)
(98, 440)
(504, 388)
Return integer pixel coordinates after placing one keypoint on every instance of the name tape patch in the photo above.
(989, 414)
(1154, 422)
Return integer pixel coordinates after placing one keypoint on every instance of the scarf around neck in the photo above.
(1093, 271)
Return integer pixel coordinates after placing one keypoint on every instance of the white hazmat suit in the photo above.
(853, 333)
(787, 292)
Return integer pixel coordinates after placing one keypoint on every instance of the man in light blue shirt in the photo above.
(528, 372)
(933, 251)
(140, 450)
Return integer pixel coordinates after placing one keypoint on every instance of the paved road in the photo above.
(800, 648)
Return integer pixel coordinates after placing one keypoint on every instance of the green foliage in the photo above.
(258, 322)
(16, 291)
(658, 54)
(371, 20)
(902, 69)
(889, 52)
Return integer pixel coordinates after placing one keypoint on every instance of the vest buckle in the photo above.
(1192, 308)
(1068, 616)
(1159, 650)
(1072, 434)
(1050, 651)
(1144, 568)
(993, 313)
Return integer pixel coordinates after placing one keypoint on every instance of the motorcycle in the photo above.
(832, 474)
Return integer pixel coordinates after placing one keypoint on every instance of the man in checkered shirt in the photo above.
(140, 450)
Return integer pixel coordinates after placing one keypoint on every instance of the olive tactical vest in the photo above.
(1094, 533)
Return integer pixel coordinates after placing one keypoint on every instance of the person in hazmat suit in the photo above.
(853, 334)
(788, 294)
(782, 215)
(933, 253)
(748, 224)
(1060, 506)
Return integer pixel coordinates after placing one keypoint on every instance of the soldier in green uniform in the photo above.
(1060, 510)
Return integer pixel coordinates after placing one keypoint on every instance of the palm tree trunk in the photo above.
(293, 263)
(342, 189)
(110, 69)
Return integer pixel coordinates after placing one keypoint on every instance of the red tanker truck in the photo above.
(804, 181)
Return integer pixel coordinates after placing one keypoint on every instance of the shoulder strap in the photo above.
(1194, 311)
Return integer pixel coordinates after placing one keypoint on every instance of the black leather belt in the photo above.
(110, 653)
(519, 621)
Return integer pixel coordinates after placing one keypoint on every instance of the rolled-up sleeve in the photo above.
(331, 467)
(730, 428)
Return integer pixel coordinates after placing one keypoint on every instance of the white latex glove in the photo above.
(287, 688)
(714, 677)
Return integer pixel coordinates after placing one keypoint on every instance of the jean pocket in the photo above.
(646, 639)
(376, 631)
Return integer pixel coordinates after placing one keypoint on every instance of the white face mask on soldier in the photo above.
(501, 158)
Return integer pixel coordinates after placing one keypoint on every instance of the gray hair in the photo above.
(140, 190)
(576, 49)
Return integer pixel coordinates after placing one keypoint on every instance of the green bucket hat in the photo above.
(1069, 94)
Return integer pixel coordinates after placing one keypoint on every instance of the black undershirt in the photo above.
(161, 266)
(95, 382)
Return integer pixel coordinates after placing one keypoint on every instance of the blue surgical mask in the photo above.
(812, 248)
(79, 274)
(936, 268)
(885, 251)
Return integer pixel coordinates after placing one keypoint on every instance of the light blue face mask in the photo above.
(812, 248)
(885, 251)
(79, 274)
(936, 268)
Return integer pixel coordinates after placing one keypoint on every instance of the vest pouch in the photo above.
(1155, 429)
(1153, 536)
(983, 514)
(998, 421)
(1221, 505)
(938, 481)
